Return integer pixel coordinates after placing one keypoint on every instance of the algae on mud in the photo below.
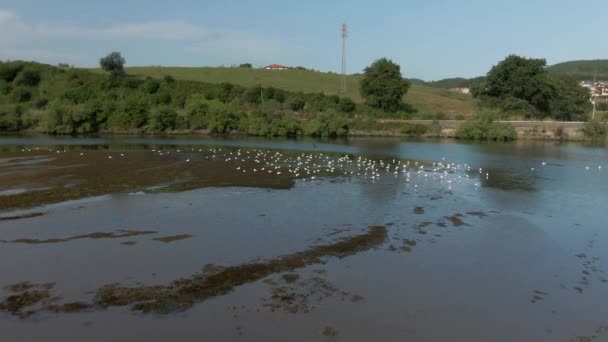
(183, 293)
(121, 233)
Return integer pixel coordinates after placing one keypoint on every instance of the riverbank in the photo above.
(534, 130)
(526, 130)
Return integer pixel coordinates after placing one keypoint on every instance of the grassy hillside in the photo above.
(582, 70)
(427, 100)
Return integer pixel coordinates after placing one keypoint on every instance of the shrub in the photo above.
(296, 103)
(414, 129)
(161, 98)
(483, 127)
(168, 79)
(347, 105)
(151, 86)
(211, 114)
(162, 118)
(253, 94)
(5, 87)
(9, 70)
(225, 92)
(131, 83)
(28, 77)
(21, 94)
(595, 130)
(327, 124)
(10, 120)
(41, 103)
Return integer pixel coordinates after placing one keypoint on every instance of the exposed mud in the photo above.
(168, 239)
(122, 233)
(419, 210)
(183, 293)
(26, 298)
(18, 217)
(456, 220)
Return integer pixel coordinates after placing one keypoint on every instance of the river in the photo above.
(244, 239)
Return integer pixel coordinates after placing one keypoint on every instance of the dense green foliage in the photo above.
(383, 86)
(582, 70)
(483, 127)
(523, 85)
(595, 130)
(54, 100)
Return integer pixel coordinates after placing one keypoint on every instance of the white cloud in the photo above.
(20, 39)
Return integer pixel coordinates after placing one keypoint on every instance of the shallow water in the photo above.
(514, 252)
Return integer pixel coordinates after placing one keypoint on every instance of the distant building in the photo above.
(275, 67)
(461, 90)
(599, 88)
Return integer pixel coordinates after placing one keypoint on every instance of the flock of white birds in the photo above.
(309, 166)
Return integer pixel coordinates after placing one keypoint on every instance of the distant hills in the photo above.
(582, 70)
(448, 83)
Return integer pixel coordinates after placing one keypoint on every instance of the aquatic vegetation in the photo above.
(168, 239)
(456, 220)
(183, 293)
(18, 217)
(122, 233)
(24, 297)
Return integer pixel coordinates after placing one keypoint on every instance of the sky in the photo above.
(430, 39)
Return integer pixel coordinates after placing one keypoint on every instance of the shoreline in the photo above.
(442, 129)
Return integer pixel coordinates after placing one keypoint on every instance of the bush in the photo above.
(151, 86)
(595, 130)
(211, 114)
(327, 124)
(5, 87)
(21, 94)
(162, 118)
(9, 70)
(10, 120)
(41, 103)
(168, 79)
(253, 94)
(28, 77)
(161, 98)
(296, 103)
(414, 129)
(347, 105)
(131, 83)
(483, 127)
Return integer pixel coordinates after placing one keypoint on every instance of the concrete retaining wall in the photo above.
(524, 129)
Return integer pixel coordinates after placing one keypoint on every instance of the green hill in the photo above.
(426, 100)
(582, 70)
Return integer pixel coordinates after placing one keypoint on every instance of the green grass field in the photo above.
(426, 100)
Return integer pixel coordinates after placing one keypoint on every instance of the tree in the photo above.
(113, 63)
(517, 79)
(572, 102)
(519, 84)
(245, 65)
(383, 86)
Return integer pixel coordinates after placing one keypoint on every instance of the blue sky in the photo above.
(429, 39)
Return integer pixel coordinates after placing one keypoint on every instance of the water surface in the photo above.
(248, 239)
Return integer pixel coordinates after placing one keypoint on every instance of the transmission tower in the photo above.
(344, 34)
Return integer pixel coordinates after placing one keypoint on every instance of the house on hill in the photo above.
(275, 67)
(461, 90)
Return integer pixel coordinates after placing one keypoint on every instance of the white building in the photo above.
(276, 67)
